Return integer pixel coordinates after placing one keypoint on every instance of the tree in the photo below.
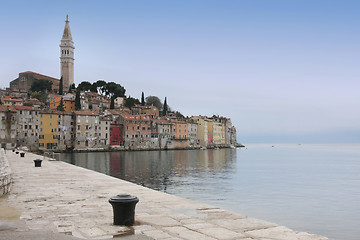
(142, 99)
(114, 90)
(84, 86)
(165, 108)
(60, 107)
(130, 102)
(77, 100)
(40, 96)
(70, 90)
(61, 86)
(100, 85)
(112, 103)
(155, 101)
(41, 85)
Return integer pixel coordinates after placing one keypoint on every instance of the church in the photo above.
(26, 79)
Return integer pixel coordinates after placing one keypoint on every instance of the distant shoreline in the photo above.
(121, 149)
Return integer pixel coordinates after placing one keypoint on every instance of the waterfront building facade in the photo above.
(192, 133)
(116, 135)
(66, 132)
(86, 128)
(137, 130)
(27, 118)
(202, 129)
(8, 126)
(48, 130)
(104, 131)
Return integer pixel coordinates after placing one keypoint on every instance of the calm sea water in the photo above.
(313, 188)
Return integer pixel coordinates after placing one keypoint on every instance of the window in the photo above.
(41, 123)
(110, 129)
(41, 144)
(40, 129)
(25, 126)
(55, 137)
(41, 136)
(50, 115)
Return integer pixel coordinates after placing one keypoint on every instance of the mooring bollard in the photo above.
(17, 152)
(13, 150)
(22, 154)
(124, 209)
(37, 162)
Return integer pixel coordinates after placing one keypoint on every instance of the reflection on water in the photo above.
(159, 170)
(313, 188)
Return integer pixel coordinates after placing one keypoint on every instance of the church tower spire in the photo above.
(67, 56)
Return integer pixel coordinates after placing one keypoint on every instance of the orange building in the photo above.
(69, 104)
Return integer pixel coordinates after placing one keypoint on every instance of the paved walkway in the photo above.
(62, 198)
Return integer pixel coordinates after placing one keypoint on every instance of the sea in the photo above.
(306, 187)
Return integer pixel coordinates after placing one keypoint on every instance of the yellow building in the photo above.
(69, 104)
(48, 130)
(11, 101)
(202, 129)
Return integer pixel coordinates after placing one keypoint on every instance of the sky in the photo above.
(283, 71)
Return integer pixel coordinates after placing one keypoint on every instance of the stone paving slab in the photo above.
(67, 199)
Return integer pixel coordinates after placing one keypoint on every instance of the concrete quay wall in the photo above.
(5, 174)
(71, 200)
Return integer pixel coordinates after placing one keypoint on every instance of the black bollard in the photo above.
(22, 154)
(37, 162)
(124, 209)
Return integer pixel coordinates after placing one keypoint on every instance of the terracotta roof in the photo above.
(7, 108)
(12, 99)
(41, 75)
(135, 117)
(86, 112)
(30, 108)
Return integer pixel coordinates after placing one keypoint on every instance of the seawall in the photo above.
(5, 174)
(74, 201)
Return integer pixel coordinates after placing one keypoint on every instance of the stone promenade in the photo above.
(73, 201)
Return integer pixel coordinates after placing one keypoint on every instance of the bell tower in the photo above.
(67, 56)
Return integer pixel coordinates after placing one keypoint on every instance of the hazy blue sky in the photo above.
(284, 71)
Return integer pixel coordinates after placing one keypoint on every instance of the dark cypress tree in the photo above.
(77, 100)
(142, 99)
(70, 90)
(112, 103)
(165, 108)
(60, 107)
(61, 91)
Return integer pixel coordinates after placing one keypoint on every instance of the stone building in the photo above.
(137, 130)
(67, 56)
(26, 79)
(27, 127)
(86, 128)
(104, 131)
(66, 137)
(164, 134)
(192, 133)
(8, 127)
(202, 129)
